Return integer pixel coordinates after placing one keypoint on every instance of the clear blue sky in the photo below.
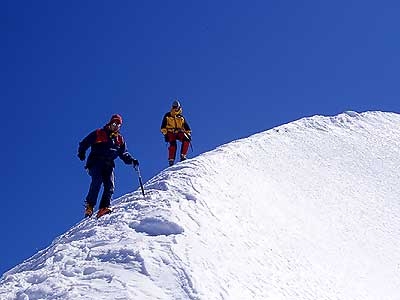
(238, 67)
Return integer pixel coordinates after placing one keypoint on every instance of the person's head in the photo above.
(115, 122)
(176, 107)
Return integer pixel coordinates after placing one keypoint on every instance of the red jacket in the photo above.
(105, 146)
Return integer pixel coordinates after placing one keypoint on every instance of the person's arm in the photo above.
(187, 127)
(85, 144)
(126, 157)
(164, 125)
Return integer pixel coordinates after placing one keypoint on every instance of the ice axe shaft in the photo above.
(140, 178)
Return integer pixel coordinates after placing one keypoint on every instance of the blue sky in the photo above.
(237, 67)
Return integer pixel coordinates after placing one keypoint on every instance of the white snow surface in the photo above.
(306, 210)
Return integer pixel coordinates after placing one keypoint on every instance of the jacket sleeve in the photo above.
(164, 124)
(124, 154)
(187, 127)
(87, 142)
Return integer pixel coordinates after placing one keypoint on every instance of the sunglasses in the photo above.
(116, 125)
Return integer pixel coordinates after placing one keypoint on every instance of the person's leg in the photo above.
(95, 185)
(108, 184)
(185, 145)
(171, 148)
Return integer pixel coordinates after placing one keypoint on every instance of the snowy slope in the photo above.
(307, 210)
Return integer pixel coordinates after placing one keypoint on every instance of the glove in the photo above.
(135, 162)
(166, 138)
(82, 156)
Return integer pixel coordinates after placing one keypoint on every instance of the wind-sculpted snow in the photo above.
(156, 226)
(306, 210)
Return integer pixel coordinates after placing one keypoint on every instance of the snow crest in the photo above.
(306, 210)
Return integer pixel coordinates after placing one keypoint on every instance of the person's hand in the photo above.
(82, 156)
(135, 162)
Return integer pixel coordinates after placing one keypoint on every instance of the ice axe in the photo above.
(189, 138)
(140, 178)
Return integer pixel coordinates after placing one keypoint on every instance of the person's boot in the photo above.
(88, 210)
(170, 162)
(183, 157)
(103, 211)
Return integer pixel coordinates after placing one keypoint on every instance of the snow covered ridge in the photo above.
(306, 210)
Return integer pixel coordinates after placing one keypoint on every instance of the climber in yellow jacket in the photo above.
(174, 127)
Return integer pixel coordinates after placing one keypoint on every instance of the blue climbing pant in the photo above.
(102, 174)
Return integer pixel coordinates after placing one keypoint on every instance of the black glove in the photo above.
(135, 162)
(82, 156)
(166, 138)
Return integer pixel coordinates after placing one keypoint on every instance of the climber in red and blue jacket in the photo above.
(106, 145)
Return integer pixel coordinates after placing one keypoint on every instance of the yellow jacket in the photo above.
(174, 121)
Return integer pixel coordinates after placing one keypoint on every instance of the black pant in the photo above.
(101, 173)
